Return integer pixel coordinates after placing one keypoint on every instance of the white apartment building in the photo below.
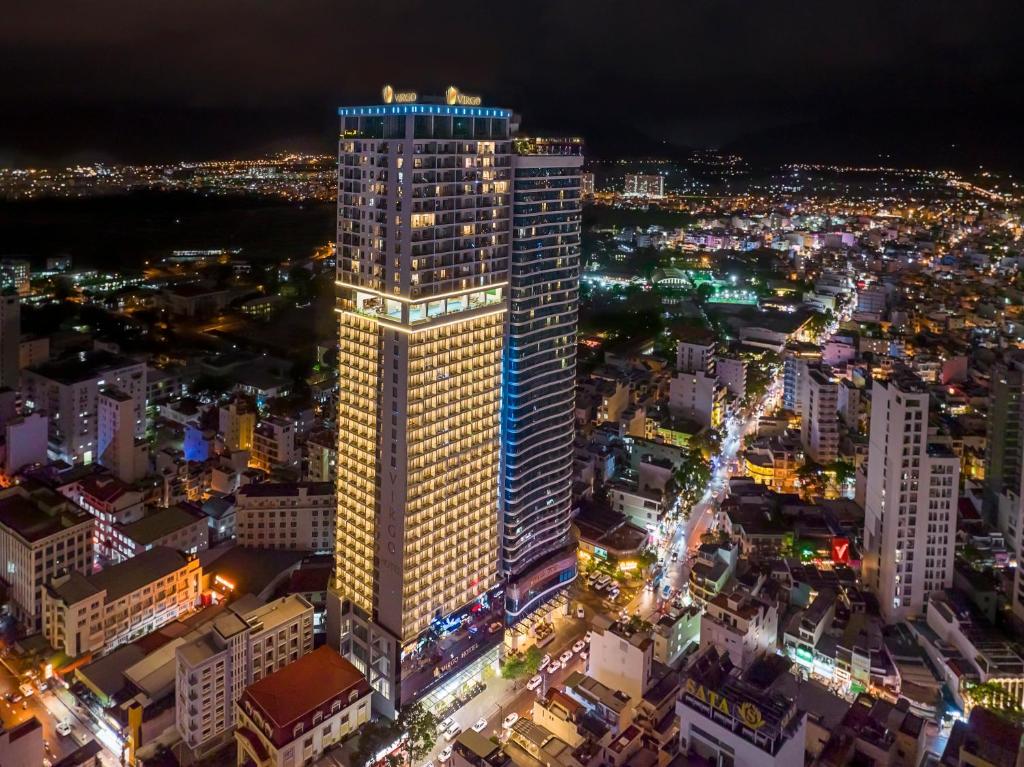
(732, 374)
(740, 625)
(322, 457)
(621, 659)
(118, 446)
(67, 390)
(183, 527)
(273, 444)
(42, 535)
(645, 185)
(286, 515)
(295, 714)
(24, 443)
(696, 354)
(96, 613)
(697, 397)
(848, 404)
(244, 644)
(819, 422)
(645, 508)
(910, 500)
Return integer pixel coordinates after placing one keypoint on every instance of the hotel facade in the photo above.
(425, 244)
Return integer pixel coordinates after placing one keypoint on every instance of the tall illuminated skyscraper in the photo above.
(538, 553)
(423, 274)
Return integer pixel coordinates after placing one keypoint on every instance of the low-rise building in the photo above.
(286, 515)
(183, 527)
(739, 625)
(96, 613)
(111, 501)
(715, 565)
(242, 645)
(296, 713)
(42, 535)
(674, 632)
(22, 744)
(273, 444)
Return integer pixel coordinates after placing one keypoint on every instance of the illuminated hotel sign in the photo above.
(453, 96)
(391, 96)
(746, 713)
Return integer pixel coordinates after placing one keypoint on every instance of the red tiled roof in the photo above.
(299, 689)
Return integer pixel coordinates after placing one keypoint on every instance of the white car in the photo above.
(510, 720)
(578, 647)
(64, 728)
(445, 724)
(452, 732)
(580, 613)
(583, 655)
(480, 725)
(544, 662)
(586, 637)
(555, 665)
(445, 755)
(535, 682)
(565, 657)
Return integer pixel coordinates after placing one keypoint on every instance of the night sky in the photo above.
(919, 81)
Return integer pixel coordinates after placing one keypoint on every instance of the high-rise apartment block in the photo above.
(1005, 424)
(819, 422)
(910, 502)
(538, 554)
(458, 258)
(117, 446)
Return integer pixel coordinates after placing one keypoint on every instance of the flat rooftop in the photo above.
(161, 522)
(83, 366)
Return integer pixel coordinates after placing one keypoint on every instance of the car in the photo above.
(675, 556)
(580, 612)
(555, 665)
(445, 755)
(583, 655)
(565, 657)
(544, 662)
(64, 728)
(480, 725)
(614, 592)
(495, 627)
(586, 637)
(46, 745)
(598, 586)
(445, 724)
(579, 646)
(15, 698)
(535, 682)
(452, 732)
(510, 720)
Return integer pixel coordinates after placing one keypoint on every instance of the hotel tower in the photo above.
(425, 237)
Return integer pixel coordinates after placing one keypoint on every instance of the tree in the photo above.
(844, 471)
(524, 664)
(812, 479)
(692, 477)
(420, 727)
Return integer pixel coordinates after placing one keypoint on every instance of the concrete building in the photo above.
(243, 645)
(819, 423)
(322, 457)
(194, 300)
(33, 350)
(85, 614)
(67, 390)
(740, 625)
(732, 374)
(587, 185)
(726, 718)
(286, 515)
(22, 744)
(696, 352)
(15, 274)
(1004, 452)
(621, 659)
(112, 502)
(24, 443)
(674, 632)
(118, 447)
(10, 340)
(423, 298)
(848, 404)
(183, 527)
(539, 373)
(273, 444)
(697, 397)
(296, 713)
(910, 501)
(42, 535)
(237, 425)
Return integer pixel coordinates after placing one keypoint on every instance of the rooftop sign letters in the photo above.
(391, 96)
(746, 713)
(453, 96)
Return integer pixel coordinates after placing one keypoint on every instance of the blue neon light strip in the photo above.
(423, 109)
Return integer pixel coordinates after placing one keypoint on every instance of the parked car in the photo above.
(555, 665)
(510, 720)
(445, 755)
(544, 662)
(495, 627)
(580, 613)
(445, 724)
(64, 728)
(452, 732)
(579, 646)
(480, 725)
(565, 657)
(534, 682)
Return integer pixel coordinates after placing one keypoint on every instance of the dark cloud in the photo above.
(200, 78)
